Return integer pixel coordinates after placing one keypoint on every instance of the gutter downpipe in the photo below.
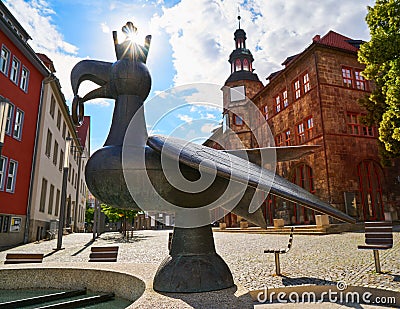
(46, 80)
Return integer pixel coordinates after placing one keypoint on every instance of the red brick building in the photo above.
(21, 76)
(314, 100)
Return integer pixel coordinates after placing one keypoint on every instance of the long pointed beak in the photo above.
(95, 71)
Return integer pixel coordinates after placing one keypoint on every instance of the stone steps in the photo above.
(299, 229)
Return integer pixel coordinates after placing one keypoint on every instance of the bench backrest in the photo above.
(290, 239)
(379, 233)
(38, 256)
(104, 249)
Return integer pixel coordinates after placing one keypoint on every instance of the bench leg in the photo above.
(277, 264)
(377, 262)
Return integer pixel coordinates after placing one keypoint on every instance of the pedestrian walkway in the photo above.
(312, 261)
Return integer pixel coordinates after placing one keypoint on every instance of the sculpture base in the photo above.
(193, 265)
(191, 274)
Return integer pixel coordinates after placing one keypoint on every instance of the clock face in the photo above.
(237, 93)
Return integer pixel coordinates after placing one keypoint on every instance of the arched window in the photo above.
(246, 66)
(238, 65)
(370, 177)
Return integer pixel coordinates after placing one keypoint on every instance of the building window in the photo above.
(55, 153)
(309, 128)
(237, 120)
(4, 60)
(304, 130)
(10, 117)
(52, 106)
(69, 172)
(277, 104)
(51, 200)
(264, 112)
(64, 130)
(3, 164)
(15, 64)
(347, 79)
(301, 85)
(279, 140)
(300, 135)
(12, 175)
(48, 143)
(355, 126)
(352, 78)
(287, 138)
(361, 83)
(281, 101)
(238, 65)
(18, 122)
(297, 90)
(61, 162)
(24, 79)
(57, 206)
(58, 120)
(43, 195)
(6, 224)
(285, 99)
(306, 83)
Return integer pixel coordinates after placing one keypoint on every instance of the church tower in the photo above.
(240, 87)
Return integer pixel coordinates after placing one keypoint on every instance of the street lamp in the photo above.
(63, 193)
(4, 106)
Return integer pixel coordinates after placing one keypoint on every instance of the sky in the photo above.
(191, 44)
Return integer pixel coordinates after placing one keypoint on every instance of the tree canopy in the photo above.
(381, 55)
(116, 214)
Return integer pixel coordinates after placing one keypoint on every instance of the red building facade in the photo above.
(21, 77)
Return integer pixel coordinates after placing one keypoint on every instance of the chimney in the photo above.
(316, 38)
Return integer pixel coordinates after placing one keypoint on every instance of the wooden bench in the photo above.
(277, 252)
(378, 236)
(104, 254)
(18, 258)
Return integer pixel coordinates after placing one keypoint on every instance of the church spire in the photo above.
(241, 59)
(239, 18)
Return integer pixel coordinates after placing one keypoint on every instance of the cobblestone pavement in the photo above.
(321, 260)
(315, 260)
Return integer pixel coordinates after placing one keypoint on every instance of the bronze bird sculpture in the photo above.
(131, 171)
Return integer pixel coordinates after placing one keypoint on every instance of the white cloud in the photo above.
(201, 32)
(185, 118)
(208, 127)
(35, 17)
(210, 116)
(99, 102)
(105, 28)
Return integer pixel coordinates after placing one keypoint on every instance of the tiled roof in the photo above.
(335, 39)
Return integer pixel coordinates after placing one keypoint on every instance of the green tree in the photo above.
(116, 214)
(381, 55)
(89, 215)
